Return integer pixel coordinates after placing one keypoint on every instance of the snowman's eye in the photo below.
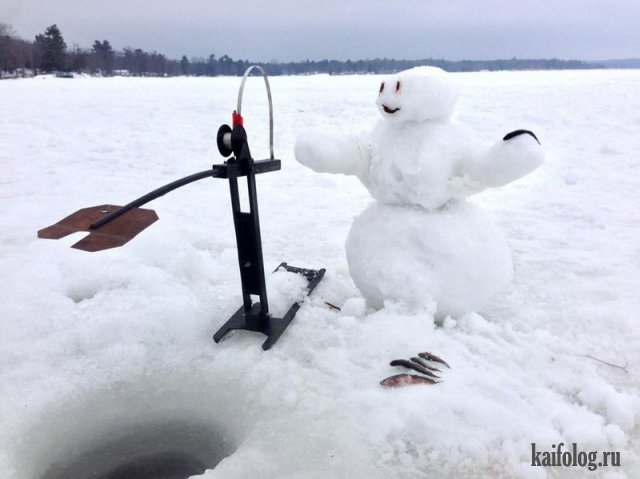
(381, 87)
(397, 86)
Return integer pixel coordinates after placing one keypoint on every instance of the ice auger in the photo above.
(111, 226)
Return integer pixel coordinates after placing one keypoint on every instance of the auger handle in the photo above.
(266, 83)
(163, 190)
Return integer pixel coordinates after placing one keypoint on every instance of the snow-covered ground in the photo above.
(99, 345)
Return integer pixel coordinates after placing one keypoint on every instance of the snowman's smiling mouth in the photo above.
(389, 110)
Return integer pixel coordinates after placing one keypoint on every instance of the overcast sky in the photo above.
(345, 29)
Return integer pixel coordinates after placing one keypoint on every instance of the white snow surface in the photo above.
(97, 342)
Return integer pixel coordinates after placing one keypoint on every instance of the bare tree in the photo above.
(15, 52)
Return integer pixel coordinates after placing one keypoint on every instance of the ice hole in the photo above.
(169, 450)
(162, 425)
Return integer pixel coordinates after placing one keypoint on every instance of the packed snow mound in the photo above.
(424, 166)
(455, 256)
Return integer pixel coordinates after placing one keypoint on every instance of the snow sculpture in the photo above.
(421, 239)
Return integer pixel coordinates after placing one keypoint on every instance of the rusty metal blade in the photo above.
(115, 233)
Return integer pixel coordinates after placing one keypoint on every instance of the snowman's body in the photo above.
(454, 256)
(421, 240)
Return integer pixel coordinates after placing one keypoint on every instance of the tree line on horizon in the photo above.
(49, 53)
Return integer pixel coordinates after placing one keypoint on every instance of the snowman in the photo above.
(421, 240)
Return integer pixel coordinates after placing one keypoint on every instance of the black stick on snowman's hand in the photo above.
(515, 133)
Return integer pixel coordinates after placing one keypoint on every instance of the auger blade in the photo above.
(115, 233)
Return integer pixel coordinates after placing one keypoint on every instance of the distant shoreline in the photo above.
(31, 75)
(50, 53)
(228, 67)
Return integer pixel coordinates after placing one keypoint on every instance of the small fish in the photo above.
(423, 363)
(433, 357)
(412, 365)
(405, 380)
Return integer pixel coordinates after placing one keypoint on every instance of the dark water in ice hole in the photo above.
(173, 450)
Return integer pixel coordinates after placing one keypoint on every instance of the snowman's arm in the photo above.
(333, 153)
(516, 155)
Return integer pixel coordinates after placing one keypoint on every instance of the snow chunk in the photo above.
(455, 257)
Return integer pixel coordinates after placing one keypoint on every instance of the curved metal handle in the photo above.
(266, 83)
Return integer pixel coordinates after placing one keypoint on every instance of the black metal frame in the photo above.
(251, 316)
(255, 316)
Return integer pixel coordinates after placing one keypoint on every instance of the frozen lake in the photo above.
(100, 346)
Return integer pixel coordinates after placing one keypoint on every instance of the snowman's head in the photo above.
(421, 93)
